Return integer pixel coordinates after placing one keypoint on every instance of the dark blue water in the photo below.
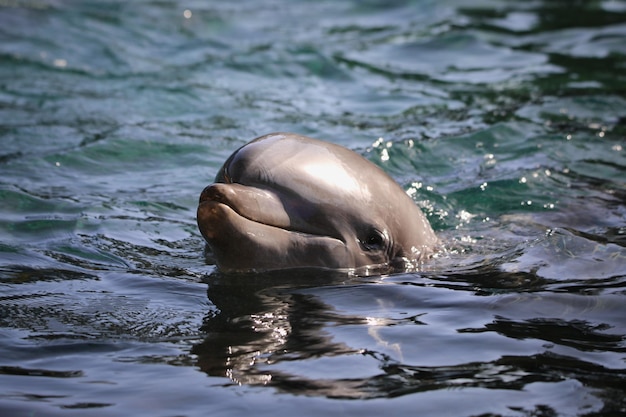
(505, 122)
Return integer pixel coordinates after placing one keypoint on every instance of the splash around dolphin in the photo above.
(286, 201)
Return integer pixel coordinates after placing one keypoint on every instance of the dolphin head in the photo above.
(288, 201)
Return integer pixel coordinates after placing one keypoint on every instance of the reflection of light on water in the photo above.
(467, 239)
(427, 205)
(257, 379)
(275, 329)
(383, 145)
(374, 321)
(418, 186)
(464, 218)
(490, 160)
(267, 322)
(375, 326)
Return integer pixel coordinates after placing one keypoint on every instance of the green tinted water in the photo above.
(505, 122)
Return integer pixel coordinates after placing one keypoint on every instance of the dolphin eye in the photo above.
(374, 240)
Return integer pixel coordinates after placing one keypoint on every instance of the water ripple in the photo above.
(504, 122)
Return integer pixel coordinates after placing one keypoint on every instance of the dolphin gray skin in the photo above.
(289, 201)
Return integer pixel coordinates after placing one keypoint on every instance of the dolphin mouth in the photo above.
(254, 205)
(246, 245)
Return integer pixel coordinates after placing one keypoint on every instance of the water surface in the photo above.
(505, 122)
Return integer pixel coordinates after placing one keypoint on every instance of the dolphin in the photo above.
(286, 201)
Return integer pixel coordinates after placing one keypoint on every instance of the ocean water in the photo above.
(505, 122)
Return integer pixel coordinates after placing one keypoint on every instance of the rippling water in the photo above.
(506, 122)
